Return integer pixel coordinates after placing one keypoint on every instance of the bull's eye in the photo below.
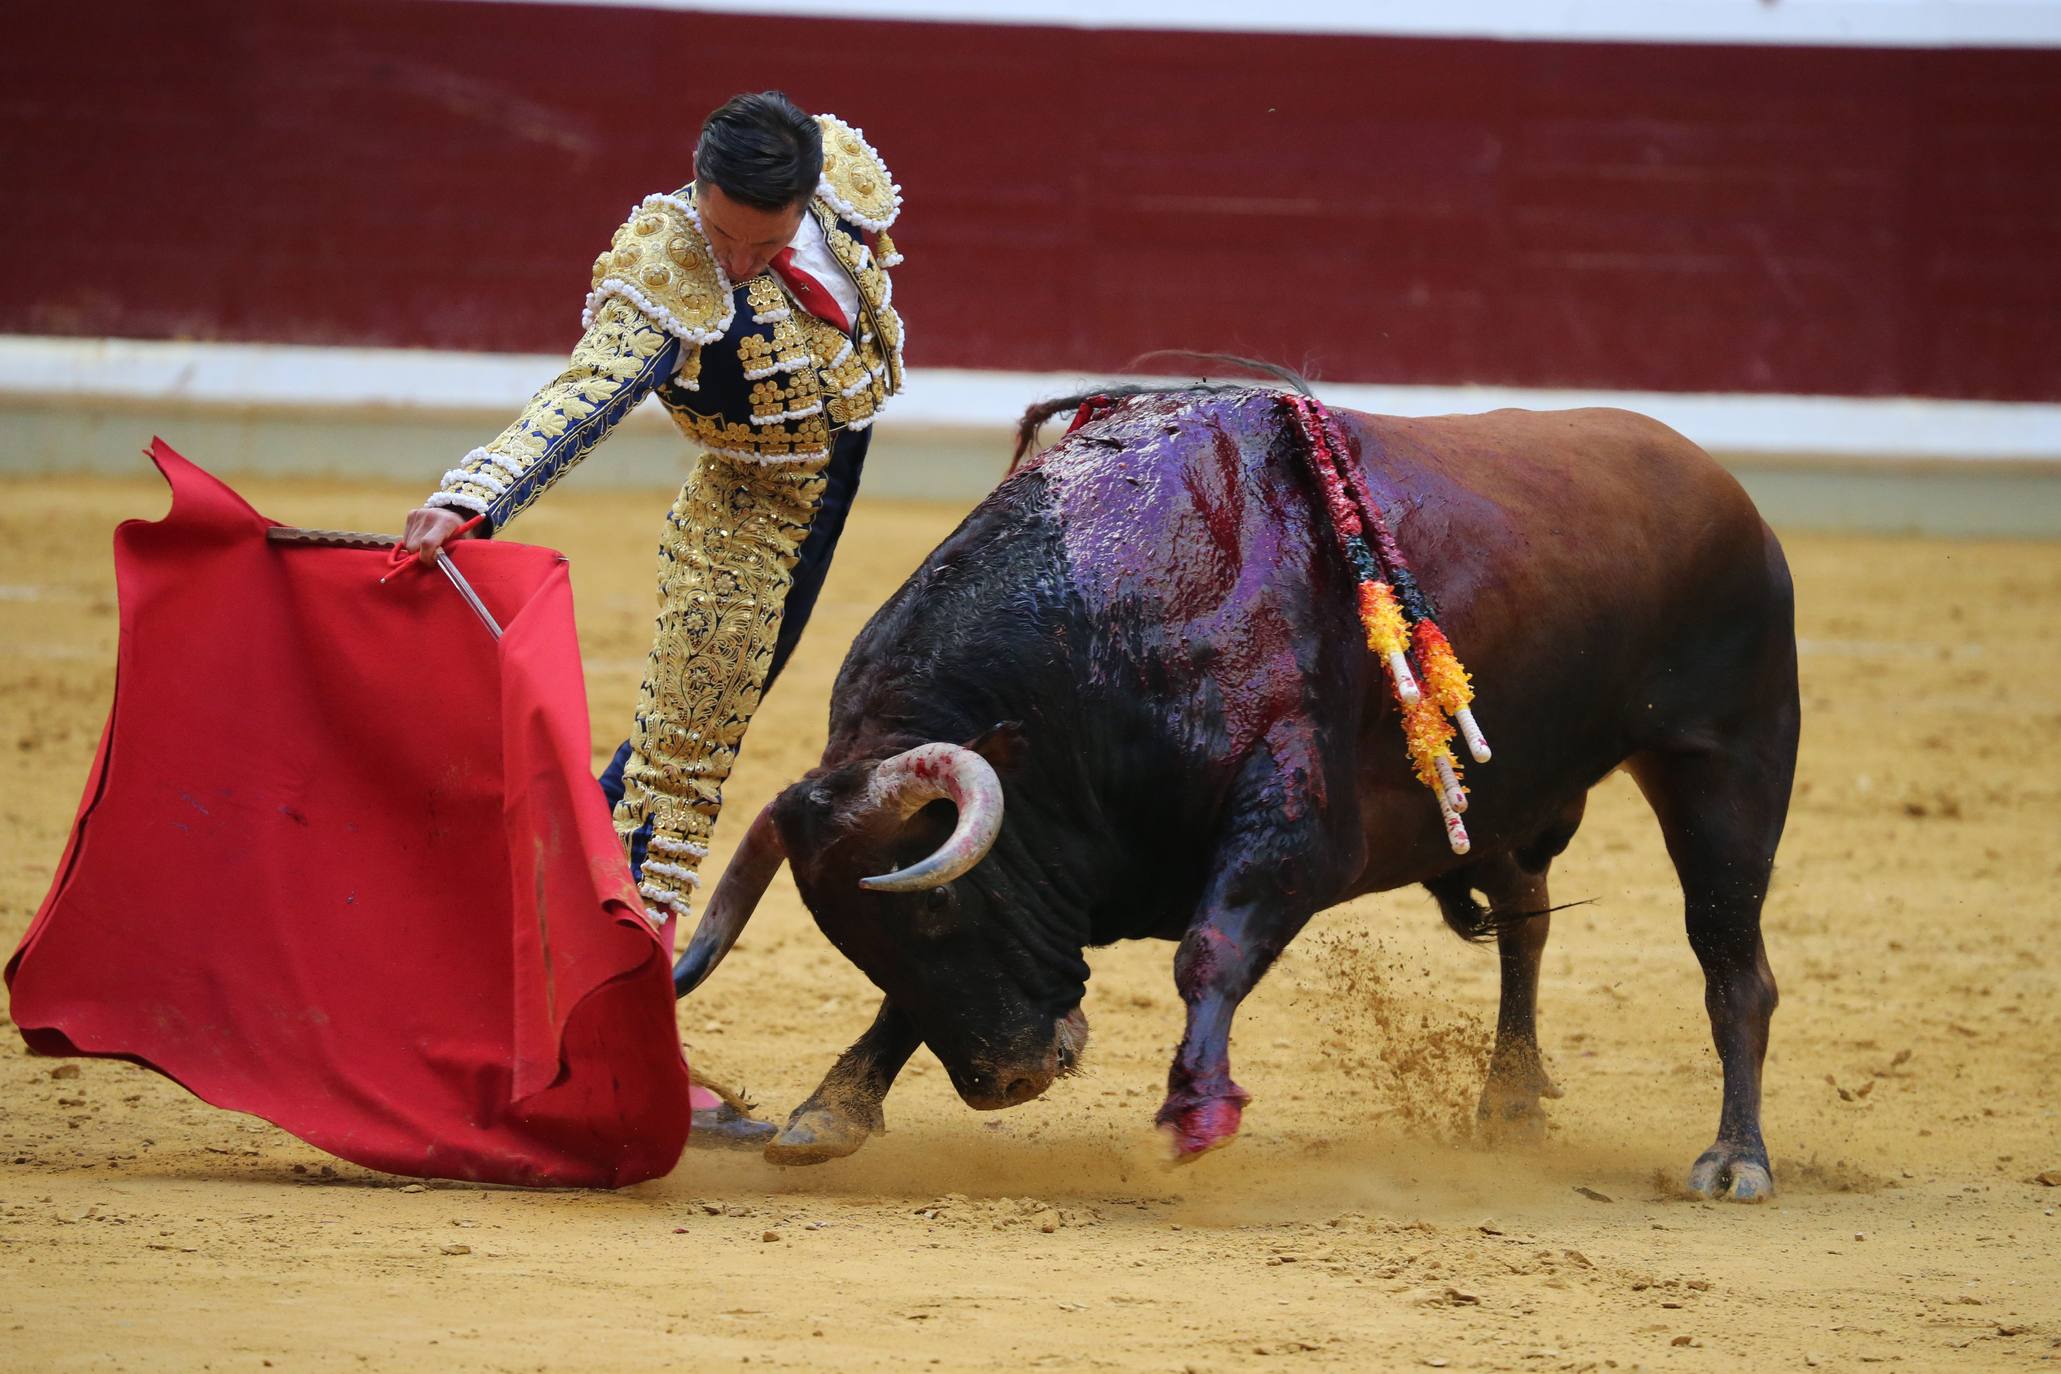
(937, 911)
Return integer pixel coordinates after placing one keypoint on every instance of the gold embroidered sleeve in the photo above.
(621, 358)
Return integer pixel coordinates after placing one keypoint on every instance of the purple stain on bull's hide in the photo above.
(1195, 564)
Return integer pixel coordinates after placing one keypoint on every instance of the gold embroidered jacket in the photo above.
(744, 371)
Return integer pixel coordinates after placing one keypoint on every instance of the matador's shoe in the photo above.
(722, 1119)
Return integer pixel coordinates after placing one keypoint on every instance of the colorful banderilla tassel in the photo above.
(1388, 637)
(1398, 619)
(1450, 686)
(1429, 736)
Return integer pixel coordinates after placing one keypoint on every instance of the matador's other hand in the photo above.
(427, 529)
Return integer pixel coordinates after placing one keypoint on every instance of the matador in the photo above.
(756, 304)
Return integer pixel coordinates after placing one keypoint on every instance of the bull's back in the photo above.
(1609, 481)
(1608, 586)
(1600, 534)
(1605, 582)
(1198, 512)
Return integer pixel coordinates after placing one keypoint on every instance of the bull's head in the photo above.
(885, 853)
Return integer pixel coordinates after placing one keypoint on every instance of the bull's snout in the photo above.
(986, 1091)
(991, 1087)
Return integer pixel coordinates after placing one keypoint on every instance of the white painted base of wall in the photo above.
(73, 405)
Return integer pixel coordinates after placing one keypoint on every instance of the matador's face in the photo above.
(743, 237)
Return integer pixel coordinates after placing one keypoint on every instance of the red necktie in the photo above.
(813, 295)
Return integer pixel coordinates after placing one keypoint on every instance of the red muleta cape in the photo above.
(340, 863)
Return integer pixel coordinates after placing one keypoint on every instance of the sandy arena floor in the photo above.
(1911, 1095)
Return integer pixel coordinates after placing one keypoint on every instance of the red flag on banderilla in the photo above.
(340, 862)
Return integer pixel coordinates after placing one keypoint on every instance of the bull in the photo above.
(1141, 649)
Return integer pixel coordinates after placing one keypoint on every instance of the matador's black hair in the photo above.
(760, 150)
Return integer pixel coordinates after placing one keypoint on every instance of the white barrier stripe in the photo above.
(294, 377)
(1797, 23)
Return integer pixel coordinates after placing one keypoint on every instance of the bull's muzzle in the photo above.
(992, 1086)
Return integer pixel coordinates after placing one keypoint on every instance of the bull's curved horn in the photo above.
(911, 780)
(736, 897)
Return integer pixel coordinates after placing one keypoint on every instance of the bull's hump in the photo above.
(1189, 541)
(1169, 500)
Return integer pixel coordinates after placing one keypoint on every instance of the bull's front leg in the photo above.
(846, 1107)
(1218, 962)
(1274, 859)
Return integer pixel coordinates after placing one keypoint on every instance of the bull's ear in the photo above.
(1003, 745)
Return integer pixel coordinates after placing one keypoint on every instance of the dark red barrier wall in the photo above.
(437, 174)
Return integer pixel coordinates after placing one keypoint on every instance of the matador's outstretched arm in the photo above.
(619, 361)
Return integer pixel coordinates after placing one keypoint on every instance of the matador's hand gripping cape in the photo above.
(340, 863)
(763, 389)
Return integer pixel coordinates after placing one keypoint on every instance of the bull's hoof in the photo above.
(1509, 1111)
(1192, 1132)
(1724, 1174)
(1510, 1120)
(816, 1135)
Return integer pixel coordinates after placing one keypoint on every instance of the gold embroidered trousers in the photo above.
(725, 565)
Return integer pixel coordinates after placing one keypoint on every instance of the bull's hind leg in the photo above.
(1279, 859)
(1721, 810)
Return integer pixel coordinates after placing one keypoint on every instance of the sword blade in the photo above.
(479, 607)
